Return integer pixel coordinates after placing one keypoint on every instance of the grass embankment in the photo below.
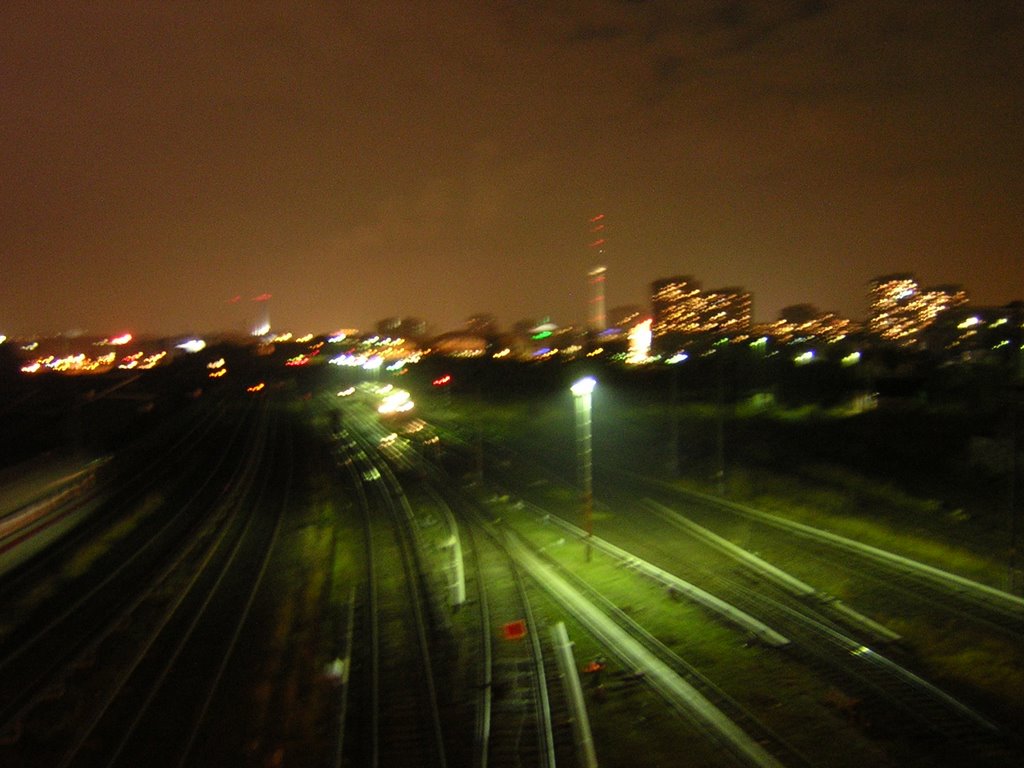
(911, 518)
(907, 484)
(788, 698)
(871, 513)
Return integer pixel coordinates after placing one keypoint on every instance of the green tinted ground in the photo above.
(926, 511)
(917, 484)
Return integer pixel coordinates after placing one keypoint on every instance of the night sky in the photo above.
(439, 159)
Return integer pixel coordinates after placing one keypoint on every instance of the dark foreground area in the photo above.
(240, 575)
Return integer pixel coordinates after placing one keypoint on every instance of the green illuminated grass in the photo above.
(788, 698)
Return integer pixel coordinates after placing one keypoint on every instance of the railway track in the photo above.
(108, 649)
(952, 594)
(498, 711)
(898, 699)
(125, 482)
(517, 706)
(720, 717)
(48, 636)
(166, 696)
(739, 715)
(916, 714)
(395, 674)
(885, 694)
(946, 592)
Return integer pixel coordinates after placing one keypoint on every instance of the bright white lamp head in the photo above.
(584, 386)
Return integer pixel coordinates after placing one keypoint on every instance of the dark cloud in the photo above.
(586, 33)
(750, 23)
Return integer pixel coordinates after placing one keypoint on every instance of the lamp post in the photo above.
(581, 392)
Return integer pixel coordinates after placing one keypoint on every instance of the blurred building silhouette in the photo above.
(900, 310)
(681, 311)
(402, 327)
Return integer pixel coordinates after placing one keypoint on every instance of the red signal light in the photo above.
(514, 630)
(443, 380)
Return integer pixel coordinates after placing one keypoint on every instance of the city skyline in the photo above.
(681, 303)
(358, 163)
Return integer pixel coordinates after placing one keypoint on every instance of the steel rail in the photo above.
(545, 754)
(394, 502)
(73, 647)
(239, 521)
(244, 615)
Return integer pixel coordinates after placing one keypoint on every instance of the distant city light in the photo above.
(348, 361)
(640, 343)
(678, 357)
(804, 358)
(851, 359)
(74, 364)
(396, 401)
(193, 345)
(151, 361)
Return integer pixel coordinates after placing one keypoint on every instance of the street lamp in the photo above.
(581, 392)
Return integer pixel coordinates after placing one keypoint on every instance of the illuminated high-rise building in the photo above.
(805, 322)
(675, 305)
(900, 310)
(939, 298)
(682, 310)
(725, 312)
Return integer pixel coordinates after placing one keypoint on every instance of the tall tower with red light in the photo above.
(262, 325)
(596, 319)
